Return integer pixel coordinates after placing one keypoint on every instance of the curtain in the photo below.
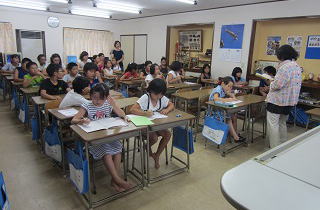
(93, 41)
(7, 38)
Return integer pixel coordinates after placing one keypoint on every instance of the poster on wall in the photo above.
(230, 55)
(313, 47)
(295, 42)
(273, 44)
(232, 36)
(191, 40)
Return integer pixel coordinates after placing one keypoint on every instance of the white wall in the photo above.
(37, 20)
(156, 27)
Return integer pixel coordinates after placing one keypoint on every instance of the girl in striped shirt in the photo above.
(100, 107)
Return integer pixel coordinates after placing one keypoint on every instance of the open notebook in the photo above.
(264, 76)
(156, 115)
(103, 124)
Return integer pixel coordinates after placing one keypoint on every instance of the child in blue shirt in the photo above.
(236, 77)
(222, 93)
(264, 84)
(91, 71)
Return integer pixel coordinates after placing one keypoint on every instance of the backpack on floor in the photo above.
(24, 110)
(78, 167)
(53, 147)
(179, 139)
(215, 130)
(35, 127)
(301, 116)
(4, 202)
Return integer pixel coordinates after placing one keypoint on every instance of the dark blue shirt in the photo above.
(95, 81)
(263, 83)
(117, 54)
(21, 72)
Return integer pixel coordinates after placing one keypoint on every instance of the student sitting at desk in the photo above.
(52, 87)
(236, 77)
(34, 77)
(115, 65)
(19, 72)
(91, 71)
(173, 76)
(108, 72)
(264, 83)
(81, 86)
(131, 72)
(84, 58)
(56, 59)
(220, 94)
(10, 67)
(154, 73)
(101, 107)
(42, 63)
(146, 70)
(155, 101)
(205, 75)
(163, 66)
(73, 72)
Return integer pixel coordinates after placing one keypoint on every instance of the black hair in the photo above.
(90, 66)
(40, 56)
(153, 68)
(100, 54)
(226, 80)
(286, 52)
(270, 70)
(94, 57)
(84, 53)
(116, 42)
(147, 63)
(80, 83)
(163, 58)
(31, 63)
(52, 67)
(157, 86)
(235, 71)
(100, 88)
(14, 56)
(204, 67)
(71, 65)
(131, 66)
(55, 55)
(106, 62)
(25, 60)
(176, 66)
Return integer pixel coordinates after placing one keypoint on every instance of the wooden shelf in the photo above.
(311, 84)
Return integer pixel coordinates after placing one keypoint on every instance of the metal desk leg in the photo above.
(188, 147)
(147, 157)
(141, 158)
(89, 192)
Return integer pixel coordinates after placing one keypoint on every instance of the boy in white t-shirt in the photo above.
(81, 86)
(73, 72)
(154, 73)
(155, 101)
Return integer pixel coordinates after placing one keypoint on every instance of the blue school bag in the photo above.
(4, 202)
(215, 130)
(14, 100)
(35, 127)
(179, 139)
(24, 110)
(78, 167)
(52, 142)
(124, 91)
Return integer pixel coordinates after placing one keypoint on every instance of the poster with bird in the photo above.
(232, 36)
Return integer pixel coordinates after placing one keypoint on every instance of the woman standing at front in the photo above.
(283, 95)
(118, 54)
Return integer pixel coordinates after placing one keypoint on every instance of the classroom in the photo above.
(159, 104)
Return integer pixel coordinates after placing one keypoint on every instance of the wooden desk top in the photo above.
(246, 100)
(212, 81)
(30, 90)
(132, 82)
(183, 85)
(7, 73)
(189, 95)
(246, 87)
(172, 117)
(107, 133)
(118, 72)
(315, 112)
(16, 83)
(9, 77)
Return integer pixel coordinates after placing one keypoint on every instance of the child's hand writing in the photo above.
(84, 121)
(148, 113)
(164, 111)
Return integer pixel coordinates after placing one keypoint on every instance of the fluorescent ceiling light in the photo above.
(186, 1)
(90, 12)
(118, 7)
(60, 1)
(24, 4)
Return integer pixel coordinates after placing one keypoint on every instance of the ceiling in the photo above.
(156, 7)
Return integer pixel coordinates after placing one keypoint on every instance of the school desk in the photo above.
(246, 88)
(190, 79)
(247, 102)
(107, 136)
(6, 79)
(27, 93)
(190, 96)
(126, 84)
(15, 86)
(285, 177)
(172, 88)
(211, 82)
(175, 118)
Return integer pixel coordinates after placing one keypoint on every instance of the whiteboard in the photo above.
(31, 48)
(140, 49)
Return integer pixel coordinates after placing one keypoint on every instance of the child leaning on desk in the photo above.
(101, 107)
(222, 93)
(155, 101)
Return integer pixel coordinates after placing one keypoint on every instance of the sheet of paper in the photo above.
(140, 120)
(234, 102)
(102, 124)
(156, 115)
(68, 112)
(189, 83)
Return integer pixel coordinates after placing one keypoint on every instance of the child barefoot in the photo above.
(100, 107)
(155, 101)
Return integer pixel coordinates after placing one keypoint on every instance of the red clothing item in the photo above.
(128, 75)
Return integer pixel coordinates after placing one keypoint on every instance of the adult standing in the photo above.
(283, 95)
(117, 53)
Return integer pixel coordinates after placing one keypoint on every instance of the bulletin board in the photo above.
(191, 40)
